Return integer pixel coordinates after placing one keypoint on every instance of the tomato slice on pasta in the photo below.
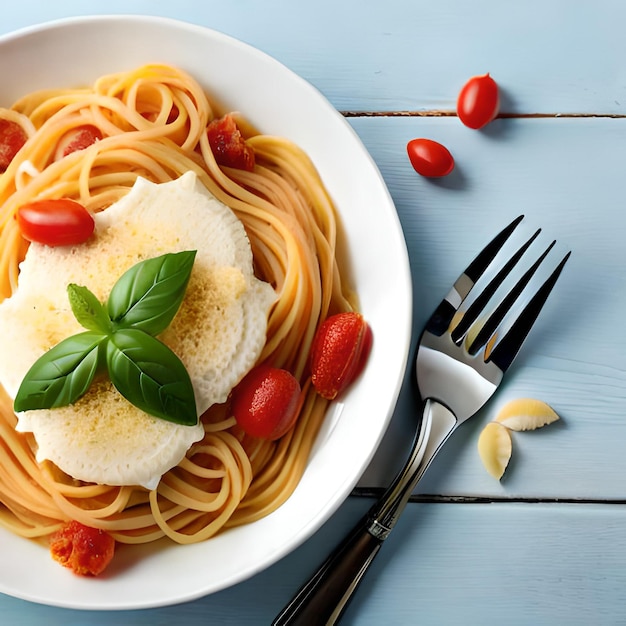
(12, 138)
(228, 144)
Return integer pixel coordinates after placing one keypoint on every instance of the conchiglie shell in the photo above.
(526, 414)
(495, 448)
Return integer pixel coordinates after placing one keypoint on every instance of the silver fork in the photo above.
(467, 345)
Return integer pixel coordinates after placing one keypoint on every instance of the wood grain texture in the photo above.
(514, 564)
(413, 55)
(565, 175)
(519, 554)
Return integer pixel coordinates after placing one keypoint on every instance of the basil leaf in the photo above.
(62, 375)
(88, 310)
(150, 376)
(145, 371)
(149, 294)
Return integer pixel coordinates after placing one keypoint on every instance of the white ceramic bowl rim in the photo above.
(75, 51)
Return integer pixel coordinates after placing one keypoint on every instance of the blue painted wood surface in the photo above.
(547, 544)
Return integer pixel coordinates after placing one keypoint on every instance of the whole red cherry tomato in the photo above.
(55, 222)
(339, 352)
(266, 403)
(430, 158)
(478, 102)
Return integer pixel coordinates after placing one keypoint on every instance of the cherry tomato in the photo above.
(266, 403)
(228, 144)
(338, 353)
(86, 551)
(12, 138)
(430, 158)
(56, 222)
(76, 139)
(478, 102)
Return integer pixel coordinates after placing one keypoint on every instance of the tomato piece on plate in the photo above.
(55, 222)
(12, 138)
(228, 144)
(478, 102)
(86, 551)
(430, 158)
(76, 139)
(266, 402)
(339, 352)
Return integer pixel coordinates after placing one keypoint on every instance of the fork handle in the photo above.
(326, 594)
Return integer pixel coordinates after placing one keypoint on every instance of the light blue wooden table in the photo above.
(547, 545)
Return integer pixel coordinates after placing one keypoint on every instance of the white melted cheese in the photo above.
(218, 332)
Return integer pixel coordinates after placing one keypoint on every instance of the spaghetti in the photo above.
(153, 124)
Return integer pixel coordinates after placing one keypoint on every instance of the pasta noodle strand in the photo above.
(153, 124)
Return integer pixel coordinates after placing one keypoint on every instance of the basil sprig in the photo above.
(120, 339)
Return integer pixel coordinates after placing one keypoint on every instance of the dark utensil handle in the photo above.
(325, 596)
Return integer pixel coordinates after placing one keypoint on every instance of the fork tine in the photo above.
(505, 306)
(508, 346)
(439, 321)
(476, 308)
(478, 266)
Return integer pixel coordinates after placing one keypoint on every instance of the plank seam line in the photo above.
(352, 114)
(376, 492)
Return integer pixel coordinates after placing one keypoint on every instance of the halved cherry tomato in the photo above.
(76, 139)
(338, 353)
(266, 403)
(12, 138)
(228, 144)
(86, 551)
(430, 158)
(478, 102)
(55, 222)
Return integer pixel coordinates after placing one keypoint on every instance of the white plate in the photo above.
(76, 51)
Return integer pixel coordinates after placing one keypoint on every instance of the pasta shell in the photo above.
(526, 414)
(495, 448)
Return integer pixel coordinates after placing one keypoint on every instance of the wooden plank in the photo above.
(516, 564)
(466, 563)
(548, 57)
(566, 175)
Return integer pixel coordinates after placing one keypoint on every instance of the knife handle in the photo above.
(327, 593)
